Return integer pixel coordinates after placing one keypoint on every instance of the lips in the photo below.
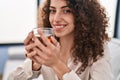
(59, 26)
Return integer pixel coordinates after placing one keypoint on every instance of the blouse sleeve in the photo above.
(102, 70)
(24, 72)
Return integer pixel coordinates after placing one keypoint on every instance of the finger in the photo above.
(38, 59)
(54, 41)
(29, 47)
(28, 38)
(30, 55)
(39, 44)
(32, 58)
(35, 60)
(55, 44)
(36, 66)
(41, 54)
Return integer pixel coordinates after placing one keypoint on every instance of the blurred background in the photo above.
(19, 17)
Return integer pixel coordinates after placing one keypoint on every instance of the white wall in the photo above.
(110, 6)
(17, 18)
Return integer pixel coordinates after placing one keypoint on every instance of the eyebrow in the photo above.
(61, 7)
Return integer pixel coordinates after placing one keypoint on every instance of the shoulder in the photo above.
(102, 67)
(105, 59)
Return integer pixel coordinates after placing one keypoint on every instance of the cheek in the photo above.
(50, 19)
(70, 19)
(71, 22)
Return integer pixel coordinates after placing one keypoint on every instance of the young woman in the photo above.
(79, 51)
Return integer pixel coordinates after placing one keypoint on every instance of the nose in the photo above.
(57, 17)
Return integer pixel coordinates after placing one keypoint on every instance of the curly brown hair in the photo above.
(90, 30)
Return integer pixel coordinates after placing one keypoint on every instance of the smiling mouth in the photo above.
(59, 27)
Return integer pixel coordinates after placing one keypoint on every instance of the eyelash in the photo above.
(64, 11)
(67, 11)
(52, 11)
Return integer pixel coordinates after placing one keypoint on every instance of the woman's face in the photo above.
(61, 18)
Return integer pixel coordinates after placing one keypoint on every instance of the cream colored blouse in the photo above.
(100, 70)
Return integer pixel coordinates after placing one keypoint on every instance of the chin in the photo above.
(58, 35)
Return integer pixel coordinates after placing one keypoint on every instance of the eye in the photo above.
(66, 11)
(52, 11)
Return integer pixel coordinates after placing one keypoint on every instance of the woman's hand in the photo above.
(29, 47)
(48, 51)
(49, 54)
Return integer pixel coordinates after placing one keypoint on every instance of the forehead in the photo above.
(57, 2)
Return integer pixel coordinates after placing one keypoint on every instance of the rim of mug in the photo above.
(46, 30)
(43, 28)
